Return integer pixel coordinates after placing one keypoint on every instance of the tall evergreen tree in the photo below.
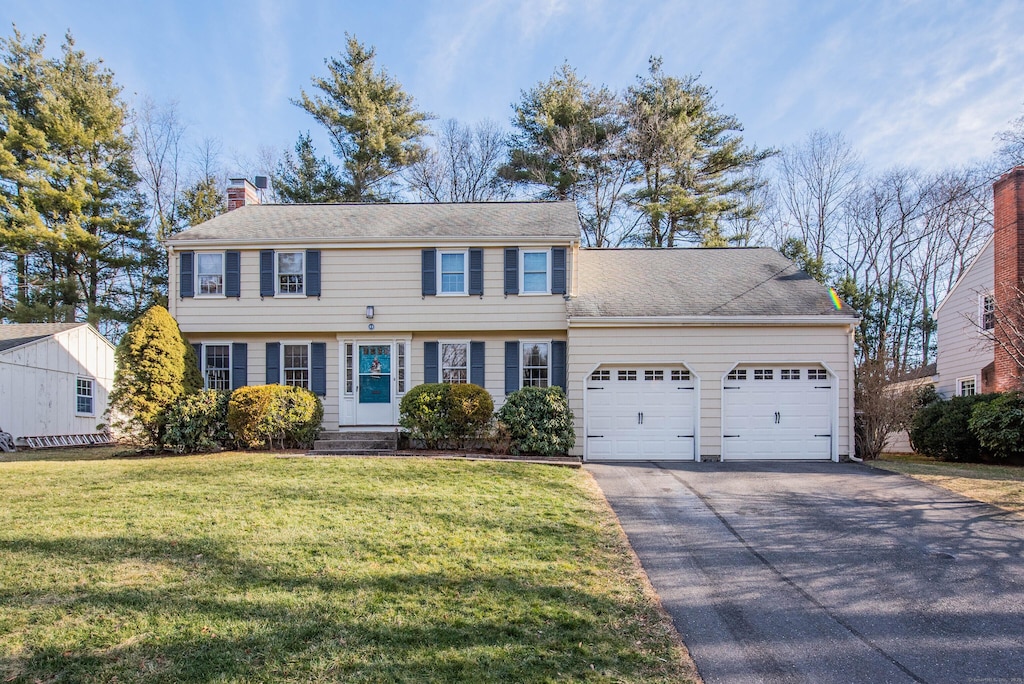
(201, 201)
(304, 179)
(374, 126)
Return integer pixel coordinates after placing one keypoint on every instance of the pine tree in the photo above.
(201, 201)
(304, 179)
(373, 124)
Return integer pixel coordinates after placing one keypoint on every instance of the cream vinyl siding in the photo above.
(962, 350)
(38, 383)
(710, 352)
(352, 279)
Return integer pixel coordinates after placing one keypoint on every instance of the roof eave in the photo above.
(663, 321)
(365, 243)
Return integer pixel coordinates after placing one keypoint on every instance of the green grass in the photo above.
(243, 567)
(1001, 486)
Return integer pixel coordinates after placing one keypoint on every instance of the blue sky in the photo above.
(925, 83)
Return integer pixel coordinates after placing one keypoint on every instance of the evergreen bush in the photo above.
(440, 414)
(198, 423)
(269, 415)
(999, 426)
(941, 429)
(538, 421)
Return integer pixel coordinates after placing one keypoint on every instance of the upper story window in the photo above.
(987, 313)
(536, 275)
(210, 274)
(291, 270)
(452, 273)
(84, 396)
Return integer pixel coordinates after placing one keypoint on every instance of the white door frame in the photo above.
(352, 411)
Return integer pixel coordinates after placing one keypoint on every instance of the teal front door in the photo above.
(375, 405)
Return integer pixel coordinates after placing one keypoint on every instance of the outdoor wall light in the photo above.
(369, 312)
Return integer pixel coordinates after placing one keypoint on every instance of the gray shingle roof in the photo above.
(557, 220)
(696, 282)
(16, 334)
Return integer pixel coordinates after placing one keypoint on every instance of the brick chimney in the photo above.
(240, 193)
(1008, 223)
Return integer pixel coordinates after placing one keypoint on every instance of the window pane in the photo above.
(454, 363)
(83, 398)
(210, 273)
(296, 365)
(453, 273)
(289, 262)
(535, 272)
(290, 272)
(535, 365)
(217, 358)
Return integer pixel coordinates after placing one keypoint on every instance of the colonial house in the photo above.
(54, 382)
(683, 354)
(986, 304)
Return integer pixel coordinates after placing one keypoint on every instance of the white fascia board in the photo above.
(420, 242)
(963, 276)
(670, 321)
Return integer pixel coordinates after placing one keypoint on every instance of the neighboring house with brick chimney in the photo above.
(683, 354)
(986, 305)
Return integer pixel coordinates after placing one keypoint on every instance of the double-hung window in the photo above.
(291, 269)
(451, 273)
(536, 364)
(217, 366)
(536, 275)
(84, 396)
(988, 312)
(966, 387)
(295, 364)
(210, 273)
(455, 362)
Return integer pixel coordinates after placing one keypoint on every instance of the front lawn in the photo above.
(245, 567)
(1001, 486)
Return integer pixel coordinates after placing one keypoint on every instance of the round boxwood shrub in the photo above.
(198, 423)
(440, 414)
(999, 426)
(265, 415)
(941, 429)
(538, 421)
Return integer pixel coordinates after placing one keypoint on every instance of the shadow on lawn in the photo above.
(233, 618)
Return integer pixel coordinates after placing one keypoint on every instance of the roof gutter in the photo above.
(371, 243)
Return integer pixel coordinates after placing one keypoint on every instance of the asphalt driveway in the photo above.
(825, 572)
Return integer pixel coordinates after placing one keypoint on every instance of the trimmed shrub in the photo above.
(155, 367)
(198, 423)
(424, 412)
(941, 429)
(470, 412)
(999, 426)
(265, 415)
(538, 421)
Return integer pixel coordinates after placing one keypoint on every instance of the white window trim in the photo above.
(202, 361)
(277, 274)
(522, 271)
(440, 358)
(522, 366)
(967, 378)
(465, 273)
(92, 396)
(197, 288)
(309, 360)
(982, 330)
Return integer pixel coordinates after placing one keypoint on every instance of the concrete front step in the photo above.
(356, 442)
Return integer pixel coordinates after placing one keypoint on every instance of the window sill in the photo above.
(452, 294)
(289, 295)
(211, 296)
(533, 294)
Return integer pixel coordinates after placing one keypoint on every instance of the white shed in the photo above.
(54, 379)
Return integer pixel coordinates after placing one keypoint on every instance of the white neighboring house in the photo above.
(54, 379)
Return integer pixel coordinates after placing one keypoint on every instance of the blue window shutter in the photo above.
(512, 270)
(186, 274)
(476, 272)
(511, 367)
(273, 363)
(476, 361)
(318, 368)
(267, 273)
(232, 274)
(312, 272)
(558, 270)
(239, 365)
(430, 362)
(429, 274)
(558, 364)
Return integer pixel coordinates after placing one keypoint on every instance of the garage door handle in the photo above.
(822, 435)
(778, 417)
(730, 435)
(686, 388)
(823, 387)
(595, 436)
(684, 436)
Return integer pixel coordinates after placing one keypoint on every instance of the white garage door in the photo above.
(641, 414)
(777, 413)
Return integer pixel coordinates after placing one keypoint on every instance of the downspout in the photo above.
(853, 408)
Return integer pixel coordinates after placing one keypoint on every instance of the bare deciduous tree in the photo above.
(462, 165)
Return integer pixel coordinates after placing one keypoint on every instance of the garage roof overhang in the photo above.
(703, 321)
